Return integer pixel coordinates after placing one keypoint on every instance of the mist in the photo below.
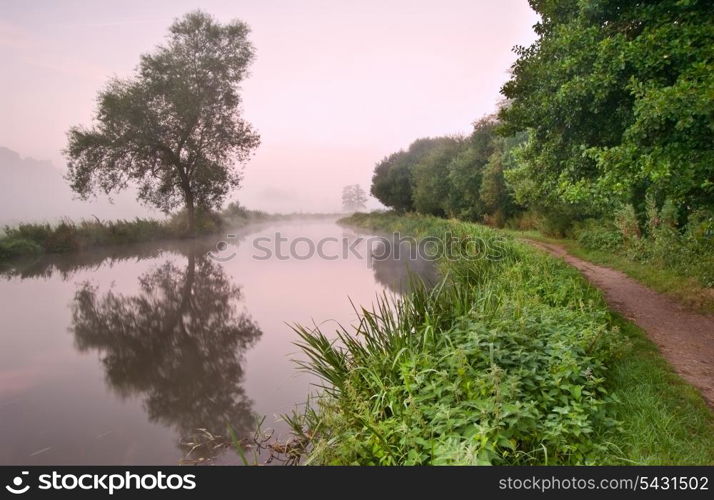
(335, 87)
(35, 191)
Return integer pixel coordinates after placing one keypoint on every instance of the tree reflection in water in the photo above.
(179, 344)
(401, 270)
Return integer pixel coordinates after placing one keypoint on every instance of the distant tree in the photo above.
(392, 182)
(465, 171)
(175, 128)
(353, 198)
(431, 177)
(393, 179)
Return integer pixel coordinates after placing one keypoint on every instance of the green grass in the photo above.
(685, 289)
(30, 240)
(663, 419)
(26, 240)
(515, 360)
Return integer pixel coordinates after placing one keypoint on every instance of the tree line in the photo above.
(452, 176)
(611, 108)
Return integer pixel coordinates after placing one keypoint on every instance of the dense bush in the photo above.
(599, 235)
(617, 98)
(393, 179)
(688, 251)
(16, 247)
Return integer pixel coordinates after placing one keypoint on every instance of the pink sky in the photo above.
(336, 85)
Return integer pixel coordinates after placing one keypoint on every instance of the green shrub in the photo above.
(26, 239)
(556, 223)
(502, 363)
(600, 235)
(526, 221)
(11, 247)
(689, 252)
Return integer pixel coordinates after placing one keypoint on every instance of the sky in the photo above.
(335, 87)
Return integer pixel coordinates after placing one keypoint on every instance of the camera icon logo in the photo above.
(16, 488)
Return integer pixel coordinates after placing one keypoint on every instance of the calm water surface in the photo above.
(119, 356)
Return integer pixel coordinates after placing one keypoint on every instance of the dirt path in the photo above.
(685, 338)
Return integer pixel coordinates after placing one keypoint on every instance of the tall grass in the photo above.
(504, 362)
(67, 236)
(662, 419)
(508, 361)
(26, 240)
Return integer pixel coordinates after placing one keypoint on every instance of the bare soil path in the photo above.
(685, 338)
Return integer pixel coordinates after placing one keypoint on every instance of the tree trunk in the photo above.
(190, 214)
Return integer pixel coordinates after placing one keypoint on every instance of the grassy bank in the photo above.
(663, 420)
(513, 359)
(686, 289)
(31, 240)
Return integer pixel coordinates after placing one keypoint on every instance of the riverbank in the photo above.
(513, 359)
(26, 241)
(31, 240)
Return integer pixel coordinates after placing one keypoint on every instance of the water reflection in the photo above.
(168, 326)
(399, 270)
(178, 344)
(66, 265)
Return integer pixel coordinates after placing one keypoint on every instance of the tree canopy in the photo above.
(353, 198)
(451, 176)
(612, 106)
(174, 128)
(618, 97)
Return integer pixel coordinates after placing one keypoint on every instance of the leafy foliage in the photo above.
(466, 172)
(502, 363)
(393, 179)
(432, 187)
(689, 253)
(445, 176)
(618, 98)
(175, 128)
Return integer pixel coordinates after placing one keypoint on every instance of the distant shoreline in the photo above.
(32, 240)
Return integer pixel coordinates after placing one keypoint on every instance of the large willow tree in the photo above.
(175, 128)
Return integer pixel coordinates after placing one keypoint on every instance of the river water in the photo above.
(120, 356)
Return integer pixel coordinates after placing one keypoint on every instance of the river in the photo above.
(120, 356)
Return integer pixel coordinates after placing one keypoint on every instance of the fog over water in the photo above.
(138, 347)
